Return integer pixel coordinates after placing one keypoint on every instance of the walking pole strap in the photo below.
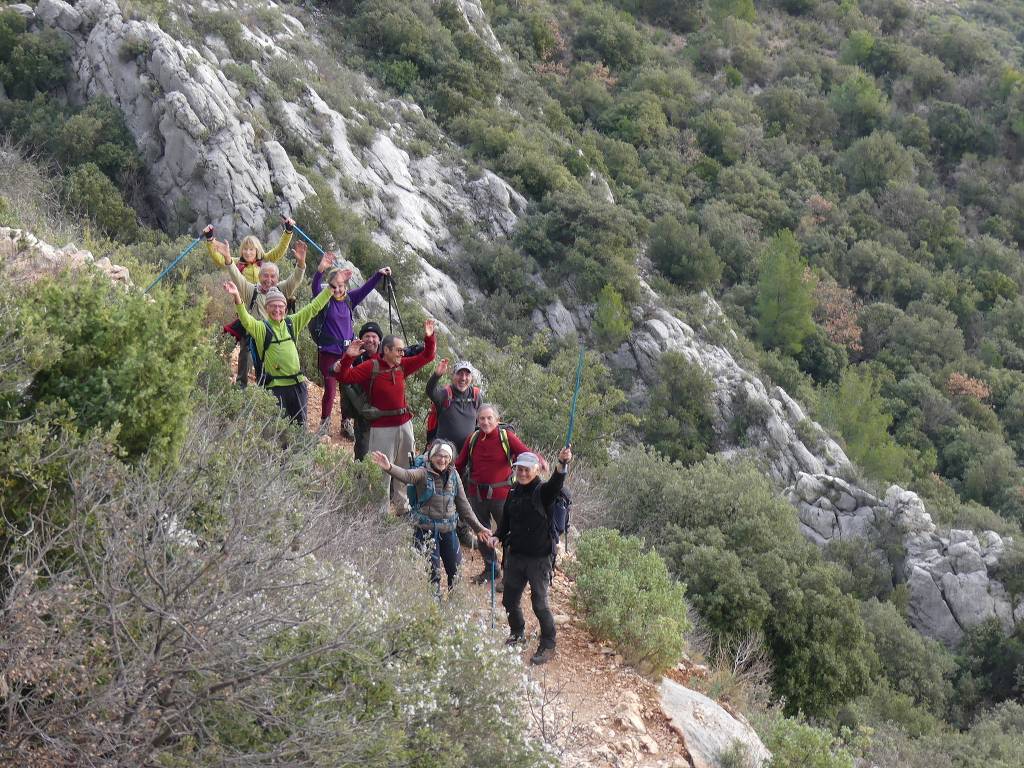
(170, 266)
(307, 238)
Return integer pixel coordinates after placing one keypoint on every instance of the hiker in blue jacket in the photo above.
(525, 534)
(440, 503)
(332, 329)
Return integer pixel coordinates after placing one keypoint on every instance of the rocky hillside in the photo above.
(235, 130)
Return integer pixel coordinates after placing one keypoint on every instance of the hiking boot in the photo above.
(543, 655)
(516, 638)
(348, 429)
(485, 575)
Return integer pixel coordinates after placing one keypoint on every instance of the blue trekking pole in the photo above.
(572, 423)
(307, 238)
(170, 266)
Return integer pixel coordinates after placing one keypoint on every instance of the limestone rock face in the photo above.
(706, 728)
(210, 155)
(770, 418)
(948, 576)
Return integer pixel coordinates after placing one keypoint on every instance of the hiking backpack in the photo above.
(235, 327)
(503, 430)
(416, 501)
(432, 414)
(359, 396)
(271, 338)
(557, 514)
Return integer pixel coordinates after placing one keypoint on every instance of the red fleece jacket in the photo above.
(490, 464)
(388, 390)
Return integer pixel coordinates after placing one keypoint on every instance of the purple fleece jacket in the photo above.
(338, 324)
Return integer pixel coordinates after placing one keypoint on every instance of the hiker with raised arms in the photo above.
(440, 502)
(525, 535)
(250, 250)
(332, 328)
(253, 292)
(488, 454)
(275, 342)
(370, 334)
(384, 380)
(454, 408)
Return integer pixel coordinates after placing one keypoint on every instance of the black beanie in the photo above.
(371, 326)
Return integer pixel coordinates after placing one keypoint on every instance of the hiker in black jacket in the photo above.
(371, 335)
(525, 534)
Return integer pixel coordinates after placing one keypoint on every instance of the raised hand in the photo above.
(232, 290)
(384, 271)
(354, 348)
(428, 326)
(208, 231)
(289, 223)
(221, 247)
(380, 460)
(326, 262)
(565, 455)
(346, 274)
(442, 367)
(301, 249)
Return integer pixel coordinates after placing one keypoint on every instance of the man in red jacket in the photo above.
(384, 380)
(489, 453)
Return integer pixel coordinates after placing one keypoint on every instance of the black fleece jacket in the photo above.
(524, 528)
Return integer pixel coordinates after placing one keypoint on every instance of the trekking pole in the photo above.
(393, 299)
(170, 266)
(307, 238)
(572, 423)
(492, 592)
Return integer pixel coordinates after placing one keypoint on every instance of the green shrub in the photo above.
(678, 419)
(797, 744)
(612, 323)
(684, 254)
(127, 366)
(700, 513)
(855, 410)
(36, 62)
(630, 599)
(93, 194)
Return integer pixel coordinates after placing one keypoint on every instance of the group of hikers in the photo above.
(475, 475)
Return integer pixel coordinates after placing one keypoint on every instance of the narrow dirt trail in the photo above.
(591, 707)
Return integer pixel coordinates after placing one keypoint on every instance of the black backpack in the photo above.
(557, 515)
(268, 339)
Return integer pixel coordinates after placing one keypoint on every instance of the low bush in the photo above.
(630, 599)
(678, 419)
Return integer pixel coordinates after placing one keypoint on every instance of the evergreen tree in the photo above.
(784, 298)
(611, 319)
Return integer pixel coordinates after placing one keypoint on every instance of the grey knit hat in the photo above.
(274, 294)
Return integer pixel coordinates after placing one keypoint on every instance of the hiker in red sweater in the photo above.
(488, 453)
(384, 380)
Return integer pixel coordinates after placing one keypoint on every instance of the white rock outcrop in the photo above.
(24, 259)
(209, 158)
(707, 729)
(948, 575)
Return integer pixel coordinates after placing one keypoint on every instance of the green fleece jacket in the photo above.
(281, 363)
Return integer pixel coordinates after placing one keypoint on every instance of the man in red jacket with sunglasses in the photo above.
(384, 380)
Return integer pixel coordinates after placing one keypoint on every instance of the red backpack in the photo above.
(448, 397)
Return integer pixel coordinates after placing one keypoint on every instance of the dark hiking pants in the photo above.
(535, 571)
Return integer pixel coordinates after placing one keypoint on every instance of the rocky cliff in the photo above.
(211, 157)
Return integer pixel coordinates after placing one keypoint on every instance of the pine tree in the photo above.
(611, 319)
(784, 298)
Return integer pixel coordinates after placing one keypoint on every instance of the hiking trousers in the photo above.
(292, 398)
(442, 547)
(535, 571)
(396, 443)
(325, 362)
(488, 512)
